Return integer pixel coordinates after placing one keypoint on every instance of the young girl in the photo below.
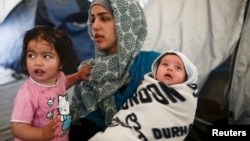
(41, 107)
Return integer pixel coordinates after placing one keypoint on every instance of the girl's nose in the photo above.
(38, 62)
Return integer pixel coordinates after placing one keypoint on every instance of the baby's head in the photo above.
(173, 67)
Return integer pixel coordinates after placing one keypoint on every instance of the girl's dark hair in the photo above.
(61, 42)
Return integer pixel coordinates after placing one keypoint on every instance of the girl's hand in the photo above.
(84, 72)
(50, 130)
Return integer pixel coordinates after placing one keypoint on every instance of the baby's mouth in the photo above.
(168, 75)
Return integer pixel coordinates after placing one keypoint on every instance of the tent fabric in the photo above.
(239, 91)
(207, 31)
(11, 33)
(16, 18)
(71, 16)
(68, 15)
(6, 6)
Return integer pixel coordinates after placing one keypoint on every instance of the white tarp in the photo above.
(205, 30)
(6, 6)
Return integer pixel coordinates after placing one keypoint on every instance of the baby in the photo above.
(164, 106)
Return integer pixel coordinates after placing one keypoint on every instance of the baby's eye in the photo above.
(165, 64)
(178, 67)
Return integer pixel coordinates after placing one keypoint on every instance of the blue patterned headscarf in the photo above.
(111, 71)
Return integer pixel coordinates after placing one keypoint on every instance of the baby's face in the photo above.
(171, 70)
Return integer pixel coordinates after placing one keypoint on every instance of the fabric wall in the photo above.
(71, 16)
(205, 30)
(239, 90)
(12, 29)
(6, 6)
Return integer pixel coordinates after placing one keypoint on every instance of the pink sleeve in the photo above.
(63, 78)
(24, 106)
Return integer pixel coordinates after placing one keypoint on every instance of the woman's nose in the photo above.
(95, 26)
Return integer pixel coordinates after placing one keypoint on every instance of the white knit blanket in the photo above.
(156, 112)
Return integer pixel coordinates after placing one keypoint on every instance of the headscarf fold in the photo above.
(104, 3)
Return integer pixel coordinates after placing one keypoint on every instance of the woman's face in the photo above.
(103, 29)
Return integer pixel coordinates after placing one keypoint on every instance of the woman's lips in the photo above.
(98, 37)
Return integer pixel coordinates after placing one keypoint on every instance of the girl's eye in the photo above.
(30, 55)
(47, 56)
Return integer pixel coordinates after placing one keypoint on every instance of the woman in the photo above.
(118, 29)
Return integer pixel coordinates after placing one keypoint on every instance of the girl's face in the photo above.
(43, 62)
(171, 70)
(103, 29)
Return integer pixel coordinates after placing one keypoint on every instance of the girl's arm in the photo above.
(82, 74)
(25, 131)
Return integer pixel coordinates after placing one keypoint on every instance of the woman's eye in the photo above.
(92, 20)
(104, 19)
